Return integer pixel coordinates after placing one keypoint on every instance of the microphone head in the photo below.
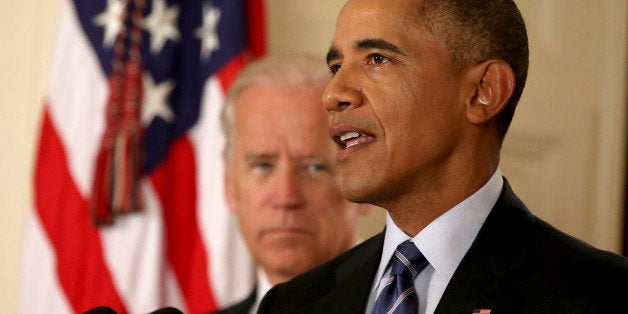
(101, 310)
(108, 310)
(167, 310)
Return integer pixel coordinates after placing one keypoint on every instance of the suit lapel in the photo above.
(481, 281)
(353, 280)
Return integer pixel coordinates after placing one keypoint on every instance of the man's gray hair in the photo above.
(285, 71)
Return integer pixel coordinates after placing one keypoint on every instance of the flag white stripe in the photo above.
(40, 291)
(134, 251)
(77, 94)
(171, 290)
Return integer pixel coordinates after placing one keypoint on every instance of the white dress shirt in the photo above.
(444, 242)
(263, 285)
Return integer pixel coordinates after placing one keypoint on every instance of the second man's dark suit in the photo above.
(242, 307)
(517, 264)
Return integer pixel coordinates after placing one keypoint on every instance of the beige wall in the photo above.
(564, 155)
(26, 35)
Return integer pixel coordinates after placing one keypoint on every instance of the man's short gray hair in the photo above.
(285, 71)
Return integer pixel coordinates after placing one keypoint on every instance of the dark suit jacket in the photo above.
(242, 307)
(517, 264)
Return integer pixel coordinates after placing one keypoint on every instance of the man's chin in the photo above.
(356, 190)
(287, 255)
(290, 266)
(283, 241)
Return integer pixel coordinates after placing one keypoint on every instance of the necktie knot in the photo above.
(407, 261)
(398, 294)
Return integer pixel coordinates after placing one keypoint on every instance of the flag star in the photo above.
(111, 20)
(161, 24)
(155, 102)
(207, 33)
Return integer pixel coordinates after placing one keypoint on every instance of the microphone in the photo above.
(101, 310)
(108, 310)
(167, 310)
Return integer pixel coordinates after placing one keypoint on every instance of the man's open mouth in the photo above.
(353, 138)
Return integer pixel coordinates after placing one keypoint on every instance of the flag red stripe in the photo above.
(175, 183)
(82, 271)
(228, 73)
(255, 14)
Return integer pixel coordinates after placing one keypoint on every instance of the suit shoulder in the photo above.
(568, 250)
(549, 245)
(579, 271)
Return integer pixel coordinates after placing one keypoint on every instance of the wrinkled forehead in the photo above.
(395, 22)
(376, 18)
(400, 10)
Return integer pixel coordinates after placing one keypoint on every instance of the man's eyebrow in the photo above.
(252, 157)
(333, 54)
(378, 43)
(365, 44)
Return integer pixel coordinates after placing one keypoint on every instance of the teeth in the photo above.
(349, 135)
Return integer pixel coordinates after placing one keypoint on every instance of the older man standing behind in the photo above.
(281, 178)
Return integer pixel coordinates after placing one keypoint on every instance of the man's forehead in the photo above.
(375, 19)
(375, 24)
(379, 6)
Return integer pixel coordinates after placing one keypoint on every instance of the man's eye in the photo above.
(320, 169)
(334, 68)
(261, 167)
(316, 167)
(378, 59)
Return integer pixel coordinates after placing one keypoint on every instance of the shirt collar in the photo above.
(445, 241)
(263, 285)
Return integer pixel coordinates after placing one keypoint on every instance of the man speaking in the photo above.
(422, 94)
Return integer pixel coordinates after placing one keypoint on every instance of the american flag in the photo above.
(131, 121)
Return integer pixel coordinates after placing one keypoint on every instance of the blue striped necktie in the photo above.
(398, 295)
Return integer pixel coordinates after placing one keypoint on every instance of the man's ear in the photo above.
(229, 189)
(493, 83)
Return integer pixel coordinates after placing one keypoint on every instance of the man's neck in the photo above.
(416, 210)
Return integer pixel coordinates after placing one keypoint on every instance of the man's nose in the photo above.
(288, 190)
(342, 92)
